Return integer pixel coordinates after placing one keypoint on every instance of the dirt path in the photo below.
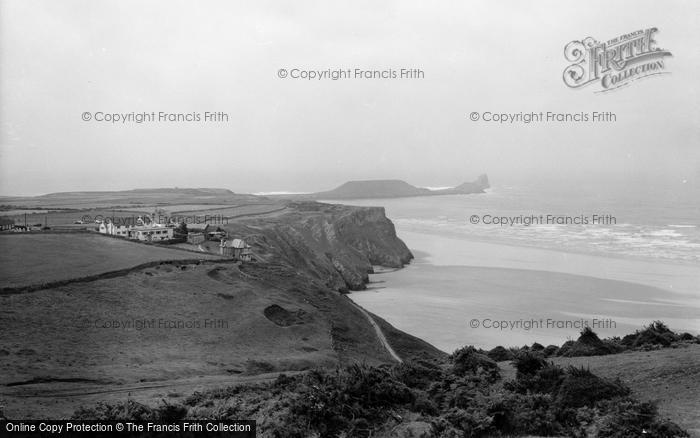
(380, 334)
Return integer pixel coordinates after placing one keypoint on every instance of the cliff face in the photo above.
(336, 244)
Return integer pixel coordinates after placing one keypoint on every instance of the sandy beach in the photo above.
(459, 292)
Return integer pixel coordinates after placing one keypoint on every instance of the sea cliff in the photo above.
(336, 244)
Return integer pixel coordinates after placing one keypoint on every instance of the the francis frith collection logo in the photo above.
(614, 63)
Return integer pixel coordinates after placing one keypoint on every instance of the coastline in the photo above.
(520, 243)
(675, 277)
(454, 281)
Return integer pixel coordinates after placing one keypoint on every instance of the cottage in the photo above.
(215, 233)
(236, 248)
(113, 230)
(195, 238)
(151, 233)
(6, 224)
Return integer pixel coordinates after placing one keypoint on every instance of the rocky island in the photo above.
(393, 188)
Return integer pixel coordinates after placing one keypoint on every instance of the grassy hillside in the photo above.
(36, 259)
(167, 323)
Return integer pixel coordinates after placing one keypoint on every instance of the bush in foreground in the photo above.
(457, 400)
(462, 397)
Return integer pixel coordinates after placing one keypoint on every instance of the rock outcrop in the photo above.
(336, 244)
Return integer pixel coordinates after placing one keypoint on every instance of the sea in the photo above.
(537, 262)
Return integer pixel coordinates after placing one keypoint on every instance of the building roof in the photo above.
(197, 226)
(6, 221)
(236, 243)
(149, 227)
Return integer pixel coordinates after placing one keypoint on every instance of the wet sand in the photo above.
(457, 292)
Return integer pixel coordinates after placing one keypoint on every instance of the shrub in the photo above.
(566, 346)
(629, 418)
(538, 377)
(471, 422)
(581, 388)
(169, 413)
(131, 411)
(687, 337)
(417, 374)
(500, 354)
(550, 350)
(333, 402)
(588, 344)
(528, 362)
(525, 414)
(655, 334)
(468, 360)
(458, 398)
(373, 387)
(120, 411)
(423, 404)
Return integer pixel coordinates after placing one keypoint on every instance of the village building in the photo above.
(111, 229)
(151, 233)
(212, 232)
(195, 238)
(236, 248)
(145, 230)
(6, 224)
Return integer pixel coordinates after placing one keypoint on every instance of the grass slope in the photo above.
(166, 323)
(29, 259)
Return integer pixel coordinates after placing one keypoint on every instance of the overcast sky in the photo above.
(59, 59)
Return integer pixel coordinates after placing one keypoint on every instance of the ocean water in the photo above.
(642, 266)
(653, 223)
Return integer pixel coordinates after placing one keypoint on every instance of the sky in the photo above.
(60, 59)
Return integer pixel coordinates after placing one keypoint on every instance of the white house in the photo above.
(151, 233)
(113, 230)
(144, 230)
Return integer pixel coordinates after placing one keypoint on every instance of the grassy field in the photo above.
(235, 211)
(153, 324)
(68, 217)
(191, 213)
(31, 259)
(152, 328)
